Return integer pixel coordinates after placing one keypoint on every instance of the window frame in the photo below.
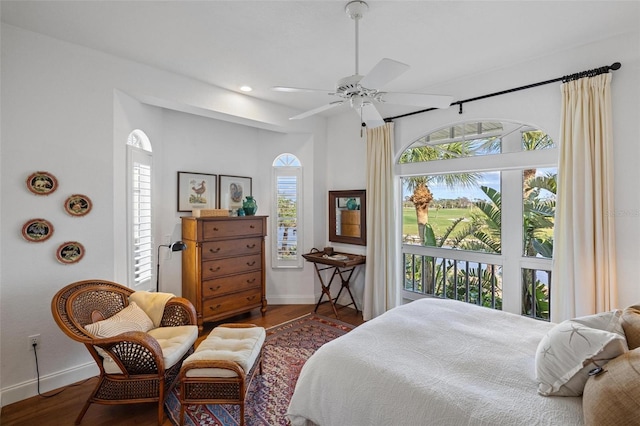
(139, 151)
(510, 163)
(287, 165)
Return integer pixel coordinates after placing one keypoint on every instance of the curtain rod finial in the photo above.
(615, 66)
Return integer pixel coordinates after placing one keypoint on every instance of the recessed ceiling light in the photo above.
(246, 88)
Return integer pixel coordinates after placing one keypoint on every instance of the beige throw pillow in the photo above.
(131, 318)
(571, 349)
(612, 398)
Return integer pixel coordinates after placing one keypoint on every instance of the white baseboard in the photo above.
(57, 380)
(291, 300)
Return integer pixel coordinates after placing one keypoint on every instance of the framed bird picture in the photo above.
(232, 190)
(196, 191)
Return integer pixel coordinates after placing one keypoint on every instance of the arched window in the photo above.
(139, 208)
(287, 212)
(478, 214)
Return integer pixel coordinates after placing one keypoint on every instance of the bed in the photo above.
(431, 362)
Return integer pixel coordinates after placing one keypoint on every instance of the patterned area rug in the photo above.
(287, 348)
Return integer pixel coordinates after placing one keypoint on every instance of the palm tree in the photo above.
(534, 140)
(419, 185)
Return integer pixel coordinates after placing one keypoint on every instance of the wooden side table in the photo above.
(343, 265)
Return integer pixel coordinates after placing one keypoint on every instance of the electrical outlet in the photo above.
(35, 339)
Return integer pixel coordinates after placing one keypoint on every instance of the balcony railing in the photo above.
(457, 276)
(471, 277)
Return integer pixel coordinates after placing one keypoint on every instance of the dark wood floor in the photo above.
(63, 408)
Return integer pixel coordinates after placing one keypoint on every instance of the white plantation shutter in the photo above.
(287, 214)
(140, 229)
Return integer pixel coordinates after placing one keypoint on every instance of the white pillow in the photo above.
(607, 321)
(131, 318)
(571, 349)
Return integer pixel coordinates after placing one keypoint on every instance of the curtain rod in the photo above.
(564, 79)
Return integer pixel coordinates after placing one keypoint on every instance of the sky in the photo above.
(490, 179)
(440, 192)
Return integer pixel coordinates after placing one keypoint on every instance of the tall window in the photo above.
(487, 190)
(140, 247)
(287, 213)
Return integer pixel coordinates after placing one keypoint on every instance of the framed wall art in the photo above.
(232, 190)
(37, 230)
(42, 183)
(70, 252)
(196, 191)
(77, 205)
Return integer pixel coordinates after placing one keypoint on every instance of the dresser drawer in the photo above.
(231, 228)
(231, 284)
(226, 248)
(231, 302)
(234, 265)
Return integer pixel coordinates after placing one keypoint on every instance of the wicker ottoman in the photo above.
(222, 367)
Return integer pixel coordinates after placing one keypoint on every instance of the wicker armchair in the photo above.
(142, 375)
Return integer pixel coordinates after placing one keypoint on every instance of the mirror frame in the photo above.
(333, 209)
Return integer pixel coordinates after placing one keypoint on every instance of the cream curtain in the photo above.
(381, 290)
(584, 268)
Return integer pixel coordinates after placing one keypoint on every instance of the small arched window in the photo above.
(139, 208)
(287, 212)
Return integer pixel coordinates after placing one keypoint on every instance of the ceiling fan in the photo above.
(362, 93)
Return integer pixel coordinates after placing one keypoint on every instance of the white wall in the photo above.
(68, 110)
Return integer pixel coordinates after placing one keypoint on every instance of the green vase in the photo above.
(249, 206)
(352, 204)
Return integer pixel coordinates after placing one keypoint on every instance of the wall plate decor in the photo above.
(37, 230)
(232, 190)
(196, 191)
(70, 252)
(78, 205)
(42, 183)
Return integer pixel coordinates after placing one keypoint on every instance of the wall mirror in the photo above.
(348, 217)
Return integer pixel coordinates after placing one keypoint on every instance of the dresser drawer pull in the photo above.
(214, 251)
(252, 227)
(215, 229)
(214, 270)
(250, 298)
(251, 281)
(250, 246)
(213, 309)
(214, 289)
(251, 263)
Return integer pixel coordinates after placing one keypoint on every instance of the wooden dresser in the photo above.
(223, 267)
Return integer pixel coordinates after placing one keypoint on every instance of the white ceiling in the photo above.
(311, 43)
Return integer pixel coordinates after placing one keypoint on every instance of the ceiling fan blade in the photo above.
(317, 110)
(416, 99)
(371, 116)
(301, 90)
(383, 72)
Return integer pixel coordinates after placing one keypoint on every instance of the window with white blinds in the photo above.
(287, 213)
(140, 211)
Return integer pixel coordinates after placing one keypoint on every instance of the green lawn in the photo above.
(439, 219)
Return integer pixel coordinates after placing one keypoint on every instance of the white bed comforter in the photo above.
(431, 362)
